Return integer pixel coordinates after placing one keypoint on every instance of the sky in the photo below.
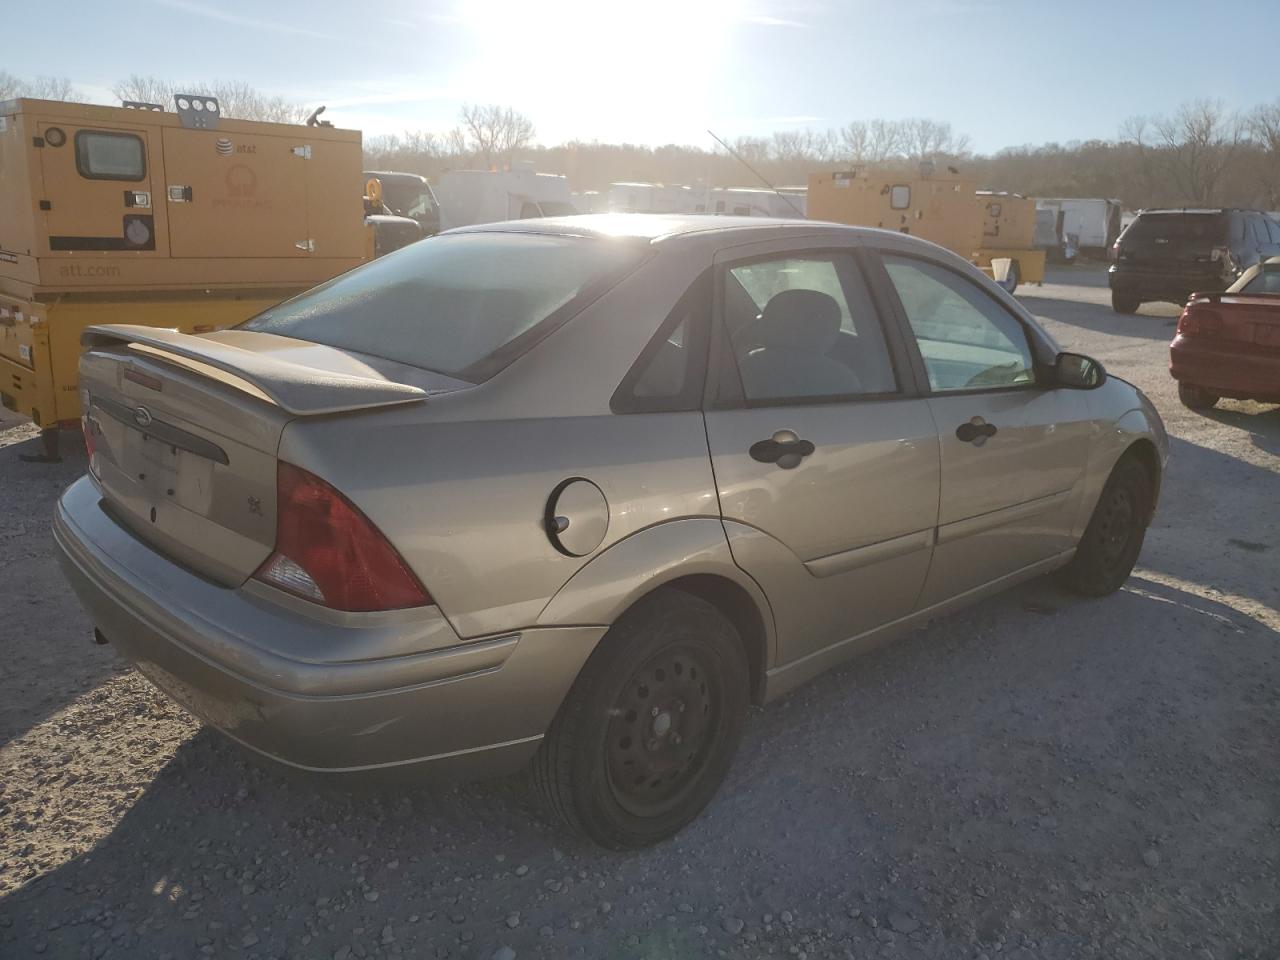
(665, 71)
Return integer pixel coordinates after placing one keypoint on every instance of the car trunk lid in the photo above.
(184, 430)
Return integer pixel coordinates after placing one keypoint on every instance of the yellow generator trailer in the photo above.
(946, 209)
(938, 209)
(178, 219)
(1009, 230)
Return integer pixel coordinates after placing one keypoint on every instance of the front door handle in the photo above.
(784, 448)
(976, 431)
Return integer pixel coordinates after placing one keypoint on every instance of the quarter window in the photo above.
(804, 328)
(104, 155)
(967, 340)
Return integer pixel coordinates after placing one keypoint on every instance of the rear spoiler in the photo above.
(298, 389)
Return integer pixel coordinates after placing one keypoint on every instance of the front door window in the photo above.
(968, 340)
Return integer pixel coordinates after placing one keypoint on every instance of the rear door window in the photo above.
(805, 328)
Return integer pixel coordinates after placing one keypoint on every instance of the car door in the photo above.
(1013, 450)
(825, 457)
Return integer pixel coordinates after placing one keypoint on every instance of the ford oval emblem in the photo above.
(142, 417)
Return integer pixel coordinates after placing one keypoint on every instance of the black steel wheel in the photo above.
(1113, 539)
(650, 727)
(661, 728)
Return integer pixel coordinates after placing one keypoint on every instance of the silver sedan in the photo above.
(574, 493)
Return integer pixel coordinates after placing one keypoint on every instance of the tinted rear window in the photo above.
(1207, 228)
(460, 304)
(1268, 281)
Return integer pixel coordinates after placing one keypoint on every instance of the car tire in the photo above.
(1124, 302)
(1113, 539)
(1196, 398)
(649, 728)
(1015, 277)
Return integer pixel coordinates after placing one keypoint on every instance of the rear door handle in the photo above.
(976, 431)
(784, 448)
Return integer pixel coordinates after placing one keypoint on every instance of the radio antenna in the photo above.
(759, 176)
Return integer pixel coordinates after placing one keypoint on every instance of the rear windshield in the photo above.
(1207, 228)
(1267, 281)
(465, 304)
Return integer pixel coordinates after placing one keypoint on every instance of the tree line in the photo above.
(1202, 154)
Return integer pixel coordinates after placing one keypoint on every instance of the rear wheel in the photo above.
(650, 727)
(1112, 541)
(1196, 398)
(1015, 276)
(1124, 302)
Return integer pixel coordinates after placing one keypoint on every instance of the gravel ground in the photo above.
(1037, 777)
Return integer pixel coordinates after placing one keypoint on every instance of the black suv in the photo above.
(1169, 254)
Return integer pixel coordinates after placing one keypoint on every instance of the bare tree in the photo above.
(871, 142)
(41, 88)
(142, 89)
(1198, 144)
(495, 134)
(924, 139)
(1264, 127)
(236, 98)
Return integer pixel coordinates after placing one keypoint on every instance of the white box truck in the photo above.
(488, 196)
(1090, 225)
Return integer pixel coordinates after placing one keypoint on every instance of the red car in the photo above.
(1228, 344)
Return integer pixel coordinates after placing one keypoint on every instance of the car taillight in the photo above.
(328, 552)
(89, 427)
(1199, 322)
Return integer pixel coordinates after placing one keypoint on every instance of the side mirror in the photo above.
(1078, 372)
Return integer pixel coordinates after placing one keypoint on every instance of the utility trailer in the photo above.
(948, 210)
(167, 218)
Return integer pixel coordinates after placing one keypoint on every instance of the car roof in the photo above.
(654, 227)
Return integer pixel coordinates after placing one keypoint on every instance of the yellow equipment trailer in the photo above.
(948, 210)
(938, 209)
(1009, 230)
(171, 219)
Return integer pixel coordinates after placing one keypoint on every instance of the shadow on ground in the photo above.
(43, 632)
(1035, 744)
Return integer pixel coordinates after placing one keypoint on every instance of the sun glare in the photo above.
(624, 71)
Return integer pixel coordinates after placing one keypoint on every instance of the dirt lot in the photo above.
(1041, 776)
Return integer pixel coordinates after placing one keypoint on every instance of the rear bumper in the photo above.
(1240, 371)
(469, 709)
(1173, 286)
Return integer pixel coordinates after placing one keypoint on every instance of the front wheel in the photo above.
(1112, 541)
(1196, 398)
(1124, 302)
(650, 727)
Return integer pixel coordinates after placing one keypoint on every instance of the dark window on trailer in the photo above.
(105, 155)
